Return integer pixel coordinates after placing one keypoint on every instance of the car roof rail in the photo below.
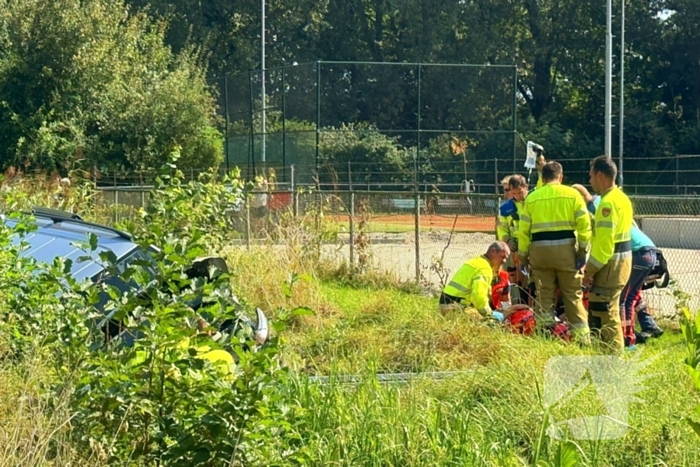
(56, 215)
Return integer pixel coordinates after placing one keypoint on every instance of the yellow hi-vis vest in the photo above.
(613, 229)
(553, 213)
(472, 283)
(507, 227)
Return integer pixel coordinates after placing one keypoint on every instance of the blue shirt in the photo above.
(639, 239)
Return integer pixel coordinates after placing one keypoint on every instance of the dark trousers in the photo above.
(643, 262)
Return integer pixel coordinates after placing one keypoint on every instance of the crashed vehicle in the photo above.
(60, 233)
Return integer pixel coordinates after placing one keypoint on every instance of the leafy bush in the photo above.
(161, 399)
(374, 156)
(690, 325)
(88, 80)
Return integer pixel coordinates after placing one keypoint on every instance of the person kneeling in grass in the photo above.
(470, 287)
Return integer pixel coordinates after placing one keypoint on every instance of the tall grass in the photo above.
(490, 413)
(74, 194)
(34, 425)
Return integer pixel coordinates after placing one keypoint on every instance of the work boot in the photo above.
(652, 333)
(640, 337)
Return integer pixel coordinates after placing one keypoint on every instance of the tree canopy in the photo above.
(122, 83)
(90, 82)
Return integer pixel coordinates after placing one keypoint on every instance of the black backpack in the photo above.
(659, 276)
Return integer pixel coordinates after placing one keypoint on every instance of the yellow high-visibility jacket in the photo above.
(613, 229)
(472, 283)
(553, 212)
(507, 227)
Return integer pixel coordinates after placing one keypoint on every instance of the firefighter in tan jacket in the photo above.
(610, 264)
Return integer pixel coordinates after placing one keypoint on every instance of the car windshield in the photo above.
(120, 267)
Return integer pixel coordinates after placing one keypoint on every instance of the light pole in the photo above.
(608, 79)
(264, 129)
(622, 90)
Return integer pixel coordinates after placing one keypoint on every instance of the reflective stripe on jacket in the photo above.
(556, 212)
(613, 229)
(472, 283)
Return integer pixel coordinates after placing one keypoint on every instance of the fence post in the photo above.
(352, 221)
(678, 185)
(143, 193)
(247, 221)
(295, 196)
(416, 197)
(495, 181)
(352, 230)
(116, 199)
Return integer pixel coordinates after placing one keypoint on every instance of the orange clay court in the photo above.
(432, 221)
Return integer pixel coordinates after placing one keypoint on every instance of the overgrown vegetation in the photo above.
(70, 397)
(93, 85)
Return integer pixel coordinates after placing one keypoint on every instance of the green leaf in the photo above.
(92, 241)
(287, 289)
(695, 374)
(567, 455)
(694, 425)
(302, 311)
(201, 455)
(108, 257)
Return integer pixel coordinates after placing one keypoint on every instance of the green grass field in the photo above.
(490, 413)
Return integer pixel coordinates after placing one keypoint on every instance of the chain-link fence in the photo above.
(309, 114)
(428, 236)
(676, 175)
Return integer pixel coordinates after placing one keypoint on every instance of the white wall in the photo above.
(672, 232)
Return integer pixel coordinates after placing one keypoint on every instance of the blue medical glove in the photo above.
(498, 316)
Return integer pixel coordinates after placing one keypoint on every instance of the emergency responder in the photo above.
(610, 263)
(632, 305)
(519, 191)
(553, 238)
(504, 228)
(471, 285)
(506, 231)
(539, 165)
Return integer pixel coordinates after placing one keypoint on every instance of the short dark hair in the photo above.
(551, 171)
(605, 166)
(517, 181)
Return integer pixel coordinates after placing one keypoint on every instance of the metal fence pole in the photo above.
(352, 219)
(515, 111)
(495, 174)
(318, 110)
(416, 197)
(352, 229)
(226, 122)
(247, 221)
(678, 185)
(495, 181)
(143, 192)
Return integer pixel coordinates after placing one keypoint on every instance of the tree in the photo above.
(88, 81)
